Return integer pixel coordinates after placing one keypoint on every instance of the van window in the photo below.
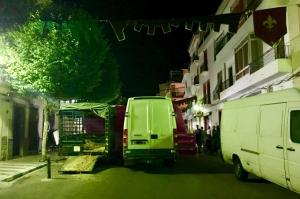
(295, 126)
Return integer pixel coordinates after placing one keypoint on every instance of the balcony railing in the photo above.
(216, 93)
(220, 43)
(195, 57)
(196, 79)
(203, 68)
(220, 87)
(279, 52)
(227, 83)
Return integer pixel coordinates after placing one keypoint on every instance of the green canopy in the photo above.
(100, 109)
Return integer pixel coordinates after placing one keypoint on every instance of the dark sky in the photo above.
(145, 60)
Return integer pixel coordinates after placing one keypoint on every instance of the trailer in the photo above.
(87, 132)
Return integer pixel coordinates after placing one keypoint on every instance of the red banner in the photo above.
(270, 24)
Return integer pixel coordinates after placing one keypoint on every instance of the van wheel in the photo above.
(128, 163)
(239, 171)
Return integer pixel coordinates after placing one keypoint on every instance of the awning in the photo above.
(100, 109)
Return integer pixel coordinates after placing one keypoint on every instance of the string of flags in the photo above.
(203, 23)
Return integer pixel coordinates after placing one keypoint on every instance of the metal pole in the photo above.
(48, 167)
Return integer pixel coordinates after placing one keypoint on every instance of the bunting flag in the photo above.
(270, 24)
(204, 23)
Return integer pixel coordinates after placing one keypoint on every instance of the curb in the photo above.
(17, 175)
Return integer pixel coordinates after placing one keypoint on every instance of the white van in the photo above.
(148, 130)
(261, 135)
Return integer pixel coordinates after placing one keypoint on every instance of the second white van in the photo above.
(261, 135)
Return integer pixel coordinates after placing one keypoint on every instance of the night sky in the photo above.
(145, 60)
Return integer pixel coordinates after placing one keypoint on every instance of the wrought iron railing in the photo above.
(203, 67)
(221, 86)
(278, 52)
(220, 43)
(227, 83)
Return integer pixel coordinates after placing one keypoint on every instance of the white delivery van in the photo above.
(261, 135)
(149, 126)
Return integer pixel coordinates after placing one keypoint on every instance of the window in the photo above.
(204, 66)
(230, 77)
(219, 84)
(237, 7)
(257, 60)
(295, 126)
(221, 41)
(241, 61)
(196, 78)
(206, 92)
(205, 58)
(248, 57)
(240, 6)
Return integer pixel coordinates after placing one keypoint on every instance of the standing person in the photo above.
(214, 140)
(218, 139)
(203, 137)
(198, 138)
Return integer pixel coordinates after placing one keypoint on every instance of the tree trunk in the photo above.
(46, 124)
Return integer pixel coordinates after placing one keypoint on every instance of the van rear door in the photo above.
(162, 124)
(138, 125)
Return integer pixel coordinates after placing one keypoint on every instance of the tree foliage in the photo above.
(68, 59)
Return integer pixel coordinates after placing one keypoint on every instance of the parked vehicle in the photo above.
(261, 135)
(148, 130)
(91, 129)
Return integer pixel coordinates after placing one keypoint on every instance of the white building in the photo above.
(226, 66)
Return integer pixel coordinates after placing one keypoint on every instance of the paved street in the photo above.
(200, 176)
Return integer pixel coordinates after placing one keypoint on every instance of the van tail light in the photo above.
(125, 137)
(175, 136)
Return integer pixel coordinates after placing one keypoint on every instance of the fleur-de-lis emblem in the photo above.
(269, 23)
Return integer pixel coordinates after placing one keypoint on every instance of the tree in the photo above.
(66, 59)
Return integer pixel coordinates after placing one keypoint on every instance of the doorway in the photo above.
(18, 129)
(33, 137)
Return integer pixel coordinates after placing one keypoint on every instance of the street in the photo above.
(193, 176)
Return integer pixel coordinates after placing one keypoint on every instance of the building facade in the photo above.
(226, 66)
(21, 122)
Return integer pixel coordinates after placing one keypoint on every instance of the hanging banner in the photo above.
(270, 24)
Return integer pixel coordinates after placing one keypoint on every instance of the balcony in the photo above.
(273, 64)
(203, 68)
(227, 83)
(196, 79)
(195, 58)
(279, 52)
(221, 42)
